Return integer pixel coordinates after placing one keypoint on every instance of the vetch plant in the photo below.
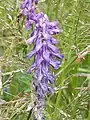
(46, 54)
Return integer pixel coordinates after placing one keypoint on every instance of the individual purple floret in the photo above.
(46, 54)
(28, 4)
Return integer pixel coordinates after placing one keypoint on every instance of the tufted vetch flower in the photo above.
(46, 54)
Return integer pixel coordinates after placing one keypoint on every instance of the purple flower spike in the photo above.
(45, 52)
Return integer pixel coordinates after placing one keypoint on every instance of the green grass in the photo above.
(71, 100)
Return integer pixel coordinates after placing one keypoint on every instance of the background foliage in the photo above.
(71, 100)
